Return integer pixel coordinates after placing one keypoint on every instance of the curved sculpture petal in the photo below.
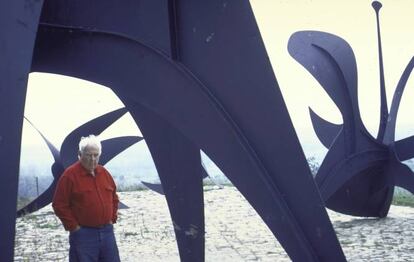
(331, 61)
(389, 136)
(57, 169)
(154, 187)
(325, 130)
(114, 146)
(44, 199)
(53, 150)
(384, 106)
(404, 148)
(69, 148)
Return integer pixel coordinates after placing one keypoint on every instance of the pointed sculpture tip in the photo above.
(376, 5)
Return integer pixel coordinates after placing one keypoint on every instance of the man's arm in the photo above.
(61, 204)
(115, 200)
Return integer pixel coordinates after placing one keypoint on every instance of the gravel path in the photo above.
(234, 232)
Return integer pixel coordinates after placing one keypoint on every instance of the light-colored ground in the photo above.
(234, 232)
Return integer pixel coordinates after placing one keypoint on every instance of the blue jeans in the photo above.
(93, 244)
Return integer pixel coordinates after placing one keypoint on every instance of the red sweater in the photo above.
(86, 200)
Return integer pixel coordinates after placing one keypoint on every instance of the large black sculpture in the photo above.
(194, 75)
(68, 154)
(359, 172)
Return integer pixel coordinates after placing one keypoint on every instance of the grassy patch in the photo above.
(403, 200)
(130, 188)
(402, 197)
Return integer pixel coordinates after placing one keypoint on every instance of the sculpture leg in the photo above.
(18, 26)
(178, 164)
(345, 187)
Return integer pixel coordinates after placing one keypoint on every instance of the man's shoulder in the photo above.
(103, 171)
(101, 167)
(71, 170)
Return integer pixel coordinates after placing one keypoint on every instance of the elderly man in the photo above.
(86, 202)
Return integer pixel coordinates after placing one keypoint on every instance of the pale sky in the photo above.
(51, 98)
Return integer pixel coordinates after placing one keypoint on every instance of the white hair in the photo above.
(90, 141)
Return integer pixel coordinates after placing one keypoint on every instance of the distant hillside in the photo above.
(128, 169)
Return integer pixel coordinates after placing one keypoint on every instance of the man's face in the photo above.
(89, 158)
